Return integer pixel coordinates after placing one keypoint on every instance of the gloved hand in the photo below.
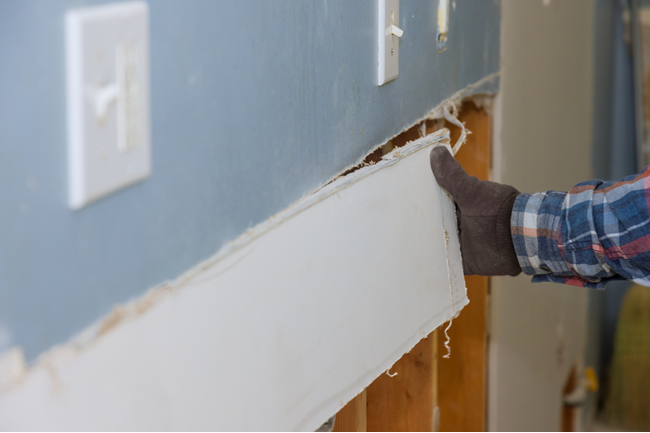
(483, 210)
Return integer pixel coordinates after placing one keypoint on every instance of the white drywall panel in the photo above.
(276, 333)
(542, 141)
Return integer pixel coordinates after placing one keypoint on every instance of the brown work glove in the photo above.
(483, 210)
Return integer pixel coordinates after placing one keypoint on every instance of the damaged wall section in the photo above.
(294, 269)
(240, 130)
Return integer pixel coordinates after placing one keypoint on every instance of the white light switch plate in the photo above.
(107, 55)
(387, 41)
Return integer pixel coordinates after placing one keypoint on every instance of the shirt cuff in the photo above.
(534, 226)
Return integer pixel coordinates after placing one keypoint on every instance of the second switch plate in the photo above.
(107, 49)
(388, 34)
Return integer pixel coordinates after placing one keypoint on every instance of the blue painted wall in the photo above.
(254, 105)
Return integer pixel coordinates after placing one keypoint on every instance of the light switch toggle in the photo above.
(104, 98)
(123, 93)
(395, 31)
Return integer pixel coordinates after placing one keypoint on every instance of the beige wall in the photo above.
(543, 124)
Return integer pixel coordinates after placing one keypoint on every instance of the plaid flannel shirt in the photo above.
(594, 233)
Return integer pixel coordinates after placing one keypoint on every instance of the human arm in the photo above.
(596, 232)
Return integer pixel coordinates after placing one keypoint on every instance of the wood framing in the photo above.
(405, 402)
(462, 379)
(353, 415)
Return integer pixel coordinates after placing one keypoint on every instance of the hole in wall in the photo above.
(476, 102)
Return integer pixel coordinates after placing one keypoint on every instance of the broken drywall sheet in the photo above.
(278, 331)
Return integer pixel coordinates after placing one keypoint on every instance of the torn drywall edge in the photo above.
(124, 312)
(12, 367)
(483, 88)
(440, 137)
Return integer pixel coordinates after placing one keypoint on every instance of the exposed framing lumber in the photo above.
(405, 402)
(462, 379)
(353, 415)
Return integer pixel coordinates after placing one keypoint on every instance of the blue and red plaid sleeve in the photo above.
(594, 233)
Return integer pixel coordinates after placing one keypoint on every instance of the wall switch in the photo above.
(442, 32)
(388, 34)
(107, 60)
